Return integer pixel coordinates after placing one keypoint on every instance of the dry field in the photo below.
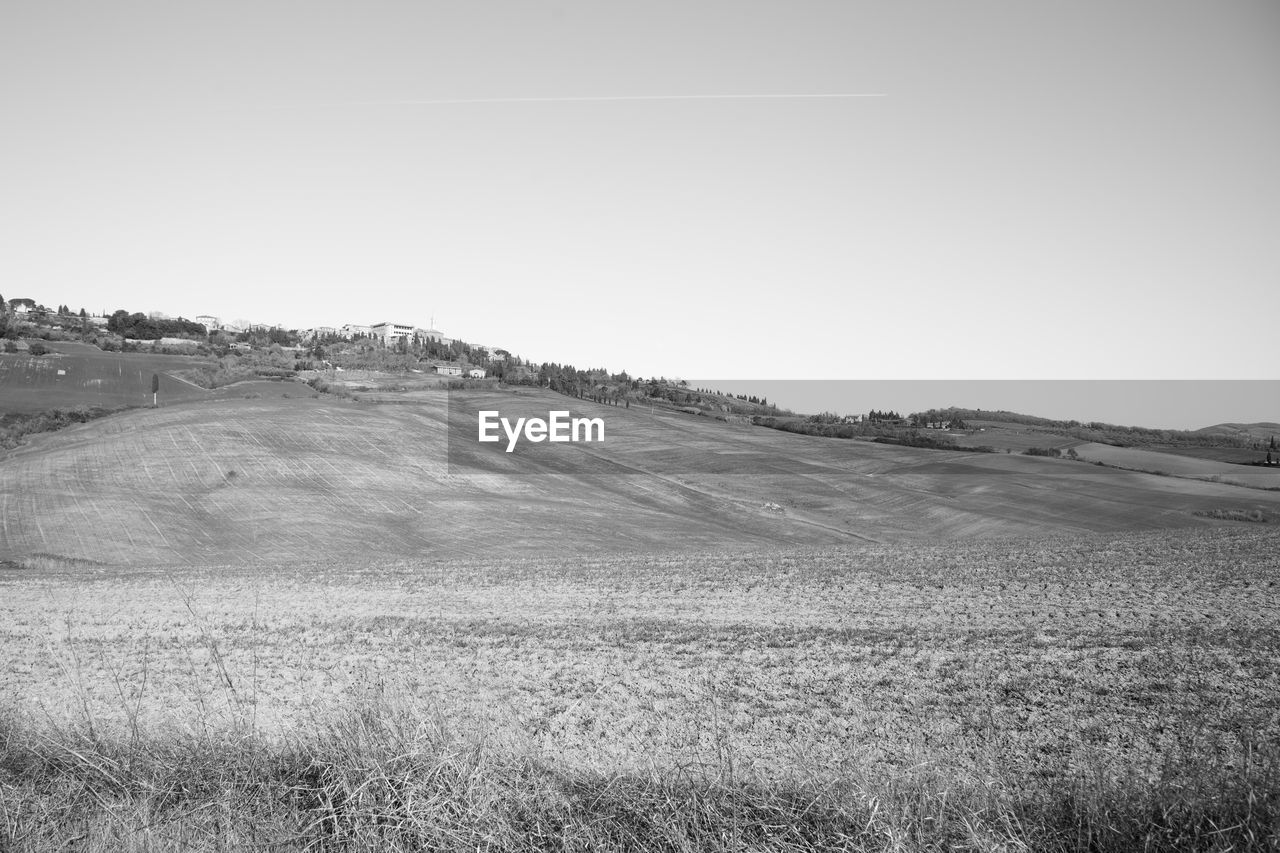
(1183, 466)
(1211, 464)
(1009, 437)
(79, 374)
(1017, 678)
(315, 624)
(1235, 455)
(286, 480)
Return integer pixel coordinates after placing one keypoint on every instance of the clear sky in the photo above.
(1041, 190)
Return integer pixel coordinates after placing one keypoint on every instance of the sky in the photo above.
(986, 190)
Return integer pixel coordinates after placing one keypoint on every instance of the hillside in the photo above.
(267, 481)
(75, 374)
(1256, 432)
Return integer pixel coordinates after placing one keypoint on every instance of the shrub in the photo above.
(1254, 515)
(16, 428)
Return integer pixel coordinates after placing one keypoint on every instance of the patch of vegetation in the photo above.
(916, 439)
(1052, 452)
(803, 426)
(50, 562)
(232, 368)
(1254, 515)
(875, 431)
(142, 327)
(14, 428)
(324, 386)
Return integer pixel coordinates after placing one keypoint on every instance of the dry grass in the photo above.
(1105, 693)
(385, 777)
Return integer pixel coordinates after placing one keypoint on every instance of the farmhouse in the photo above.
(446, 368)
(209, 321)
(476, 373)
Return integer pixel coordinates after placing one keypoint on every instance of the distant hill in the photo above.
(1256, 432)
(1222, 435)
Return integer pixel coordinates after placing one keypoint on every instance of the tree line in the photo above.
(142, 327)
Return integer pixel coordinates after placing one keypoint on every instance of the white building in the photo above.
(476, 373)
(209, 322)
(445, 368)
(391, 332)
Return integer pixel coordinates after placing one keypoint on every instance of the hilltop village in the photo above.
(25, 323)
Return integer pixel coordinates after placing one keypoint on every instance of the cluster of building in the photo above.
(388, 333)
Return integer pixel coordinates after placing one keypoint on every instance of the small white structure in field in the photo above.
(476, 373)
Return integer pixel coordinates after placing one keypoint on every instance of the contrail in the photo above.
(603, 98)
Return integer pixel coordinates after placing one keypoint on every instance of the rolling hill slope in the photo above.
(78, 374)
(284, 480)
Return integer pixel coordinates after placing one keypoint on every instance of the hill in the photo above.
(1255, 432)
(273, 481)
